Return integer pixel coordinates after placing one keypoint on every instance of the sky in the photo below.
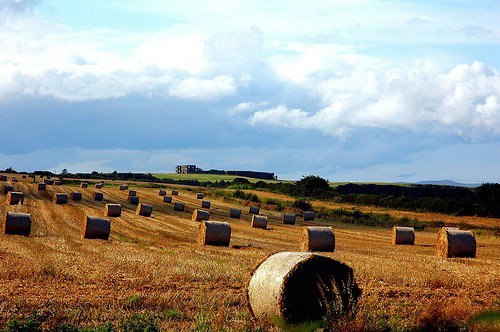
(364, 90)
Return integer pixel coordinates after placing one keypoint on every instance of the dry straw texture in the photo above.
(289, 219)
(76, 196)
(234, 213)
(162, 192)
(98, 196)
(199, 196)
(178, 206)
(308, 215)
(297, 287)
(41, 186)
(17, 223)
(318, 239)
(403, 235)
(214, 233)
(167, 199)
(84, 185)
(144, 210)
(205, 204)
(175, 192)
(60, 198)
(113, 210)
(96, 228)
(254, 209)
(259, 221)
(15, 197)
(199, 215)
(455, 243)
(134, 200)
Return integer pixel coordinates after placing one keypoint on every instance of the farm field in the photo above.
(154, 267)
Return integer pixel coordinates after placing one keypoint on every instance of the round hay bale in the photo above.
(113, 210)
(123, 187)
(48, 182)
(254, 209)
(318, 239)
(455, 243)
(84, 185)
(24, 176)
(167, 199)
(134, 200)
(49, 177)
(15, 197)
(214, 233)
(162, 192)
(289, 219)
(178, 206)
(205, 204)
(99, 185)
(403, 235)
(57, 183)
(175, 193)
(132, 193)
(234, 213)
(98, 196)
(298, 287)
(60, 198)
(76, 196)
(7, 189)
(308, 215)
(41, 186)
(3, 178)
(96, 228)
(16, 223)
(144, 210)
(199, 196)
(259, 221)
(199, 215)
(14, 180)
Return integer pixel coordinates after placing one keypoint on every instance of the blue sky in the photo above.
(352, 91)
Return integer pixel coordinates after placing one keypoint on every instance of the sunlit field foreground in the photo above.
(152, 270)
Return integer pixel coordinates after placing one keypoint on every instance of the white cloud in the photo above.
(196, 88)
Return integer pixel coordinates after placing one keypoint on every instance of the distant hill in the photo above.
(450, 183)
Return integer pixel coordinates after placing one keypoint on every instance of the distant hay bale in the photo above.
(15, 180)
(144, 210)
(199, 196)
(96, 228)
(234, 213)
(134, 200)
(99, 185)
(452, 242)
(318, 239)
(205, 204)
(48, 182)
(132, 193)
(214, 233)
(178, 206)
(60, 198)
(259, 221)
(254, 209)
(16, 223)
(98, 196)
(7, 189)
(167, 199)
(199, 215)
(123, 187)
(84, 185)
(403, 235)
(24, 176)
(48, 177)
(57, 183)
(289, 219)
(76, 196)
(15, 197)
(175, 193)
(162, 192)
(3, 178)
(298, 287)
(41, 186)
(308, 215)
(113, 210)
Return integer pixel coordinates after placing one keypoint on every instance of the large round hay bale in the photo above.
(16, 223)
(84, 185)
(199, 215)
(60, 198)
(6, 189)
(254, 210)
(99, 185)
(403, 235)
(234, 213)
(123, 187)
(96, 228)
(98, 196)
(199, 196)
(455, 243)
(214, 233)
(162, 192)
(289, 219)
(113, 210)
(298, 287)
(175, 193)
(167, 199)
(144, 210)
(134, 200)
(48, 182)
(318, 239)
(308, 215)
(76, 196)
(132, 193)
(15, 180)
(57, 183)
(178, 206)
(41, 186)
(259, 221)
(205, 204)
(24, 176)
(15, 197)
(3, 178)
